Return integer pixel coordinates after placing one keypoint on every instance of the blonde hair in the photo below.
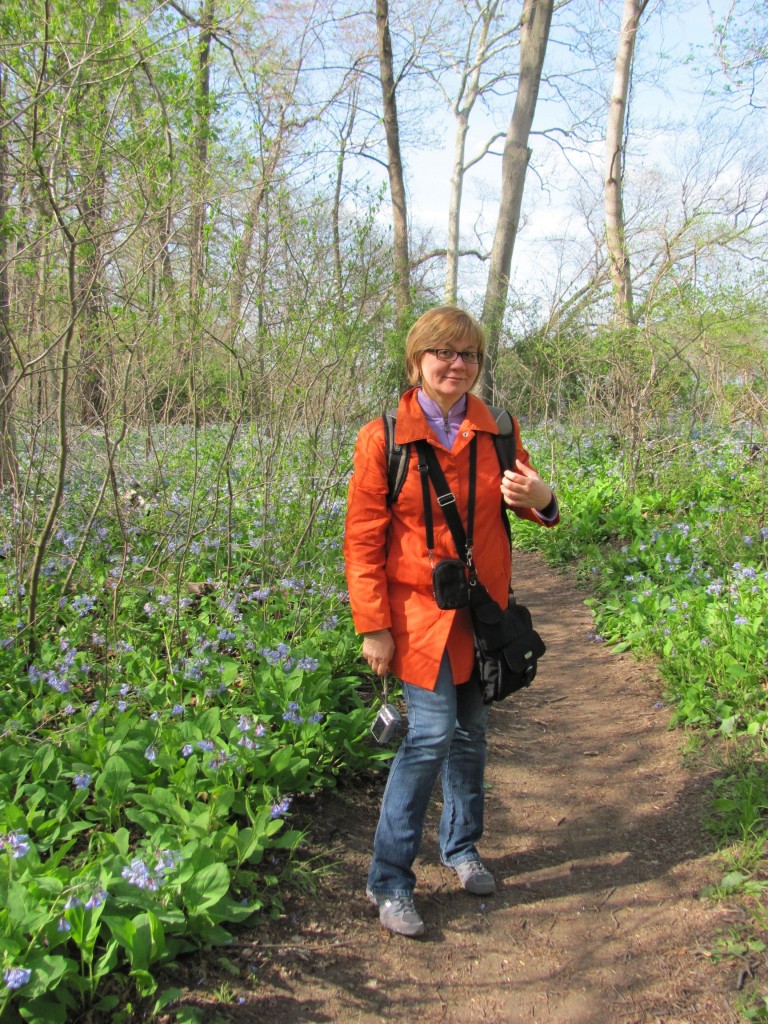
(442, 327)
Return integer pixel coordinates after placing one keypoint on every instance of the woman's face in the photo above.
(445, 382)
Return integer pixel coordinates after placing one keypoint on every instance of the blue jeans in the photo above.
(446, 735)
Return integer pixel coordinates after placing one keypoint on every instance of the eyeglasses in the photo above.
(448, 355)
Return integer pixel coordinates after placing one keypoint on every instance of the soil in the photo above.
(594, 833)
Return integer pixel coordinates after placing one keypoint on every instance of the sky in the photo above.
(668, 100)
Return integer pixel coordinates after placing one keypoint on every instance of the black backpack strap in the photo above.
(506, 452)
(397, 457)
(506, 447)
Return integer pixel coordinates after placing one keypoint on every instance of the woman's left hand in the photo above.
(524, 488)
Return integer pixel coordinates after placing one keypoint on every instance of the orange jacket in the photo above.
(389, 574)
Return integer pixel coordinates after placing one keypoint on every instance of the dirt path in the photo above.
(593, 830)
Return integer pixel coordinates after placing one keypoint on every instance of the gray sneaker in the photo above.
(398, 913)
(476, 878)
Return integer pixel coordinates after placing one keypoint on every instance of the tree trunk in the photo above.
(454, 209)
(198, 188)
(534, 35)
(469, 90)
(615, 235)
(394, 164)
(92, 375)
(344, 137)
(7, 438)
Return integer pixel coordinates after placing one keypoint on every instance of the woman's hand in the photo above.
(525, 488)
(378, 649)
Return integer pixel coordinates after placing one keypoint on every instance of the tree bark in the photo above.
(394, 163)
(534, 35)
(615, 234)
(199, 196)
(469, 90)
(93, 343)
(7, 437)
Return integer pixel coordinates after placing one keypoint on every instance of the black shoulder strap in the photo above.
(430, 469)
(397, 457)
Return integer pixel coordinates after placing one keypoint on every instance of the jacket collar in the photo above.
(412, 424)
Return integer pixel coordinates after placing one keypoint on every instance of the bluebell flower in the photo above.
(177, 709)
(248, 743)
(259, 729)
(16, 843)
(97, 898)
(83, 605)
(63, 925)
(82, 781)
(70, 709)
(15, 977)
(748, 541)
(318, 716)
(121, 705)
(151, 752)
(139, 874)
(279, 809)
(740, 620)
(57, 683)
(187, 750)
(207, 745)
(308, 664)
(167, 860)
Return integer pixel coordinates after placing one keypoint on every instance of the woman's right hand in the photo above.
(378, 649)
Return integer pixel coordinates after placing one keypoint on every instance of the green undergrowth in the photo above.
(191, 672)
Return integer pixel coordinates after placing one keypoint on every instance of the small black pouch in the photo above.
(449, 584)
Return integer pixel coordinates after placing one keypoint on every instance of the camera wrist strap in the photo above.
(430, 469)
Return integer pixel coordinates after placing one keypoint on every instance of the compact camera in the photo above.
(387, 724)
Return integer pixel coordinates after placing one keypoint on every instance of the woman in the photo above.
(389, 574)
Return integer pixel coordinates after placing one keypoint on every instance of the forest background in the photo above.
(217, 222)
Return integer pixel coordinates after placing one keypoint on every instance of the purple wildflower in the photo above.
(279, 809)
(16, 843)
(15, 977)
(97, 898)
